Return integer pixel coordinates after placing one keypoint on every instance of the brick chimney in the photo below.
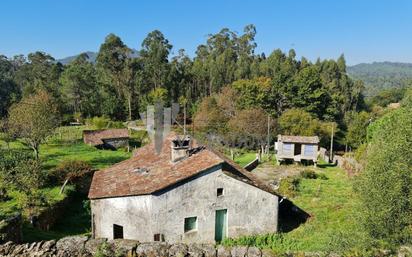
(180, 148)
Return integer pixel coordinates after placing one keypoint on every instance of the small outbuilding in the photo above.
(186, 193)
(107, 138)
(297, 148)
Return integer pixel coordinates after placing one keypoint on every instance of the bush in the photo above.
(311, 174)
(289, 186)
(69, 169)
(103, 123)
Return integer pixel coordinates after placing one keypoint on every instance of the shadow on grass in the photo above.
(76, 221)
(326, 165)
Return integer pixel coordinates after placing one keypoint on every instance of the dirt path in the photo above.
(271, 173)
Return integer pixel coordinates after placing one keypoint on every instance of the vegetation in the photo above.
(388, 176)
(334, 222)
(382, 75)
(33, 119)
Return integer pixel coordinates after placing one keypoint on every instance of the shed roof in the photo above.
(96, 137)
(148, 172)
(298, 139)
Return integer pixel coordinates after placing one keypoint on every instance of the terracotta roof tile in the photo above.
(96, 137)
(298, 139)
(148, 172)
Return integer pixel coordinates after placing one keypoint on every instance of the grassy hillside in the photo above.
(333, 224)
(381, 75)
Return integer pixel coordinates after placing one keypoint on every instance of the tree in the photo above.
(117, 69)
(34, 119)
(357, 124)
(251, 126)
(9, 91)
(20, 171)
(155, 52)
(79, 86)
(384, 186)
(298, 122)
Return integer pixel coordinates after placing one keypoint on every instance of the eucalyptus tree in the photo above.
(79, 86)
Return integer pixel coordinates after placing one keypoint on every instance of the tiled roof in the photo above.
(147, 172)
(96, 137)
(298, 139)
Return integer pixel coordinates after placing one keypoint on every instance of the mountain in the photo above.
(67, 60)
(92, 57)
(381, 75)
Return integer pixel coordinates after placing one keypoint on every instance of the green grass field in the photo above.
(333, 224)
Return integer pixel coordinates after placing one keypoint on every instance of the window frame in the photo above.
(186, 224)
(221, 193)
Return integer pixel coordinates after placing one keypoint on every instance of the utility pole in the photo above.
(268, 138)
(184, 119)
(331, 146)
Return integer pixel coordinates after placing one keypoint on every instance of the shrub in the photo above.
(69, 169)
(309, 174)
(289, 186)
(103, 123)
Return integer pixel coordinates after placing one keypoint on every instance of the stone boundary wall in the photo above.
(11, 229)
(252, 165)
(85, 247)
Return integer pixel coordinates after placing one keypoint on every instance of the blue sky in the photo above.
(364, 30)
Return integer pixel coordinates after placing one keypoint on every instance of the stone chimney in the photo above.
(180, 148)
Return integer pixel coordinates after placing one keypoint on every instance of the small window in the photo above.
(219, 192)
(117, 231)
(159, 238)
(190, 224)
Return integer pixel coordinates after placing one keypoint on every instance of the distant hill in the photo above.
(92, 57)
(381, 75)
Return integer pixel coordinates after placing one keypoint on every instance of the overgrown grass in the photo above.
(245, 158)
(333, 225)
(65, 144)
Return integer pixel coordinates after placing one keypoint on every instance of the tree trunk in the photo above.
(129, 104)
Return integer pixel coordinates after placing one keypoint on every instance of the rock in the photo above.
(124, 247)
(178, 250)
(92, 245)
(209, 250)
(7, 248)
(239, 251)
(405, 251)
(223, 251)
(158, 249)
(254, 252)
(72, 245)
(195, 250)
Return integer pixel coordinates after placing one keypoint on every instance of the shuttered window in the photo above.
(190, 224)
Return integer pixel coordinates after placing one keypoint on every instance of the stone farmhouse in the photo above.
(297, 148)
(107, 138)
(186, 193)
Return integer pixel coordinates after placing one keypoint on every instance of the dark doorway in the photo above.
(220, 225)
(298, 149)
(117, 232)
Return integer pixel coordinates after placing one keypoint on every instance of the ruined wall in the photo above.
(11, 229)
(249, 211)
(85, 247)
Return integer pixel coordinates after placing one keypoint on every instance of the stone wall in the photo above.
(83, 246)
(10, 229)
